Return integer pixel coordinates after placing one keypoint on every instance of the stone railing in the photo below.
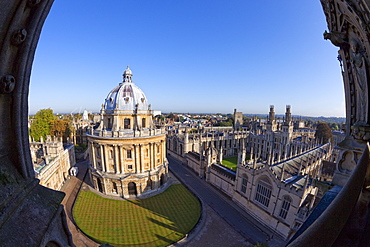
(127, 133)
(327, 227)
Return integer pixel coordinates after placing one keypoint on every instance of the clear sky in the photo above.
(192, 56)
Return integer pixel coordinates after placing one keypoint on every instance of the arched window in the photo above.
(143, 122)
(126, 123)
(263, 192)
(243, 187)
(285, 207)
(162, 180)
(149, 184)
(114, 189)
(100, 186)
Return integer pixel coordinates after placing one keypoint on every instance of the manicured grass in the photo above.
(230, 162)
(156, 221)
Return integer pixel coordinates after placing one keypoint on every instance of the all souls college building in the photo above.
(127, 153)
(275, 184)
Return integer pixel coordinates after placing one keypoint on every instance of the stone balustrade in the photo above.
(127, 133)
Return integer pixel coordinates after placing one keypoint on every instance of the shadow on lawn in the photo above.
(177, 205)
(177, 210)
(164, 225)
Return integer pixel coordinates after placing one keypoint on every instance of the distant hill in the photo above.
(337, 120)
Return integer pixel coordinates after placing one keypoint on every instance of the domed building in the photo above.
(127, 153)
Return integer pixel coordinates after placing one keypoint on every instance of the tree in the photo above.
(41, 124)
(323, 133)
(61, 128)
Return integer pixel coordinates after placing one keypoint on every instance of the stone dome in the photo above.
(126, 96)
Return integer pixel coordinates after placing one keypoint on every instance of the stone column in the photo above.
(136, 158)
(116, 159)
(151, 155)
(106, 159)
(102, 157)
(93, 156)
(121, 164)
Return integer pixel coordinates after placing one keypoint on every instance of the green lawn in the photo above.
(230, 162)
(156, 221)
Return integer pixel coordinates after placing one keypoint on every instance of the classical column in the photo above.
(93, 156)
(151, 155)
(121, 168)
(102, 158)
(136, 155)
(163, 154)
(106, 159)
(116, 159)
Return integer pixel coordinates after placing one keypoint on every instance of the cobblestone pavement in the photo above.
(71, 188)
(216, 232)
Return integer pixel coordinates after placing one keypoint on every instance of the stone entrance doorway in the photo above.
(132, 189)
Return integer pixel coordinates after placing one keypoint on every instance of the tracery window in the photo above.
(285, 207)
(263, 192)
(243, 188)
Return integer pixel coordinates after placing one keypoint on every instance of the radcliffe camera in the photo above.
(184, 123)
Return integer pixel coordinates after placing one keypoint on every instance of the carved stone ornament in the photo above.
(7, 84)
(33, 3)
(19, 36)
(361, 131)
(337, 38)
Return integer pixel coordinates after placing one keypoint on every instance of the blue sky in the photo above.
(189, 56)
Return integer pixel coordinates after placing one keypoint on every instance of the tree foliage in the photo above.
(41, 123)
(60, 128)
(228, 122)
(323, 133)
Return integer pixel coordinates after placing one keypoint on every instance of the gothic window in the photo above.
(243, 188)
(143, 122)
(175, 145)
(263, 192)
(285, 207)
(129, 154)
(126, 123)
